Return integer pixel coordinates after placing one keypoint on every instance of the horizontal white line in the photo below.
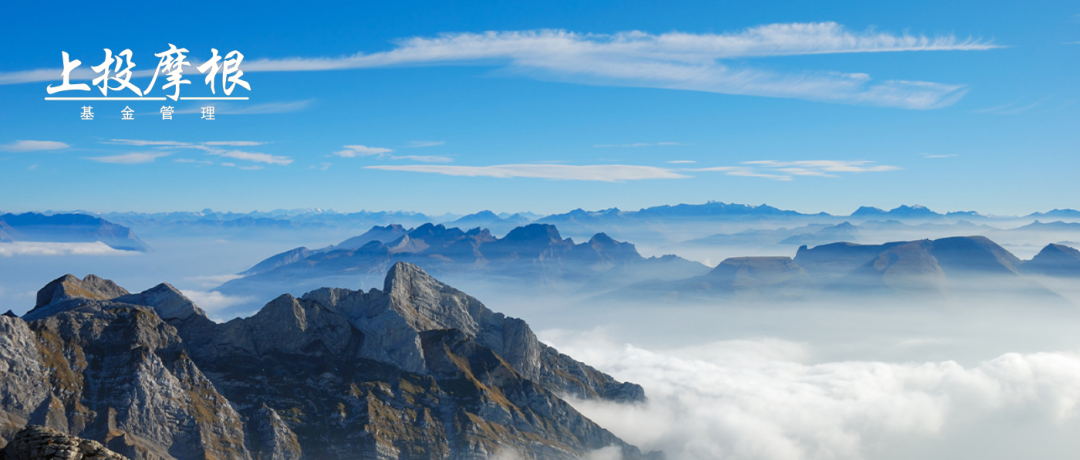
(213, 98)
(238, 98)
(105, 99)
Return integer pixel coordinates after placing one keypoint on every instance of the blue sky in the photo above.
(549, 106)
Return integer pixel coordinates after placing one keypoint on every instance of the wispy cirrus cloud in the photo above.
(353, 151)
(252, 156)
(675, 60)
(145, 143)
(601, 173)
(33, 146)
(639, 144)
(786, 170)
(1013, 108)
(130, 158)
(213, 148)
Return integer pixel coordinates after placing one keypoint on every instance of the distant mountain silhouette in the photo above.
(1054, 260)
(902, 212)
(534, 256)
(934, 268)
(68, 228)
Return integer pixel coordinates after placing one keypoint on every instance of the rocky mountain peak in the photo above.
(168, 302)
(534, 232)
(70, 287)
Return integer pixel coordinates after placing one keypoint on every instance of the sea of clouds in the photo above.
(761, 399)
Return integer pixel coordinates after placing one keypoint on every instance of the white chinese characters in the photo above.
(123, 77)
(115, 73)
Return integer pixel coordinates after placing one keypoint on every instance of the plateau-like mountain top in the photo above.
(415, 370)
(67, 228)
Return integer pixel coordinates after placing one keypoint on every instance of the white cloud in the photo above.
(682, 162)
(130, 158)
(198, 162)
(142, 143)
(603, 173)
(213, 301)
(756, 400)
(33, 146)
(211, 148)
(352, 151)
(785, 170)
(212, 280)
(825, 165)
(252, 156)
(25, 248)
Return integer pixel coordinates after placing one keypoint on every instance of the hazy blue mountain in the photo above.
(1054, 260)
(839, 232)
(479, 219)
(1056, 226)
(956, 266)
(534, 256)
(748, 237)
(1056, 214)
(384, 234)
(68, 228)
(901, 212)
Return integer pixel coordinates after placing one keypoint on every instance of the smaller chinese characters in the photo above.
(87, 113)
(128, 113)
(166, 112)
(208, 113)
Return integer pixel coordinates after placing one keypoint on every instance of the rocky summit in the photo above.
(416, 370)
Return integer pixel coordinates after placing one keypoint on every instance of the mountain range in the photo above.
(416, 370)
(647, 224)
(966, 267)
(533, 256)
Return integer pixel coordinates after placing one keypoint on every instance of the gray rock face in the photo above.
(118, 374)
(40, 443)
(417, 370)
(413, 302)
